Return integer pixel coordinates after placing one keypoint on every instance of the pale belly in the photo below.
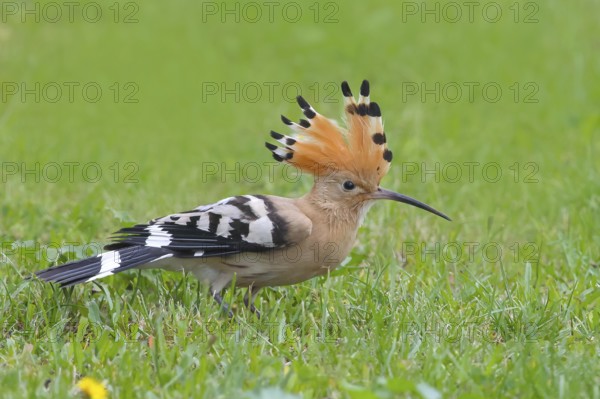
(287, 266)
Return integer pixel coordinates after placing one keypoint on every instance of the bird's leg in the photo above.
(249, 300)
(226, 308)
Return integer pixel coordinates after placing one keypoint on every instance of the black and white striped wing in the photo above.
(233, 225)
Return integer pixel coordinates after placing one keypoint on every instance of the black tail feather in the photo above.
(102, 265)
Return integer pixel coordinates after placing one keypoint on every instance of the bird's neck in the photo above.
(339, 216)
(334, 227)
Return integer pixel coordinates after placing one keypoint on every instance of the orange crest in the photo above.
(320, 147)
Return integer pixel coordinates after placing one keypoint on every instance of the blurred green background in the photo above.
(188, 85)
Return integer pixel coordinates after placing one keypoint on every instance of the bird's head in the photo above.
(348, 164)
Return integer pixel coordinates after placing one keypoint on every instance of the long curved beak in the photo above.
(382, 193)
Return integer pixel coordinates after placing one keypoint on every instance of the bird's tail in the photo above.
(102, 265)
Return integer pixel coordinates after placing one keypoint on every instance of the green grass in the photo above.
(423, 307)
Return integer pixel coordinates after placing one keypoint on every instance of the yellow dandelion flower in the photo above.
(91, 388)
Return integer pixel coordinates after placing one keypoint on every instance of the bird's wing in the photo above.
(236, 224)
(233, 225)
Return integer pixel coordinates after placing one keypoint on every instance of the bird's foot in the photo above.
(251, 306)
(224, 306)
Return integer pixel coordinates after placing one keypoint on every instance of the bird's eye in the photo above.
(348, 185)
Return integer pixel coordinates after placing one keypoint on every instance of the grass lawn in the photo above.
(115, 113)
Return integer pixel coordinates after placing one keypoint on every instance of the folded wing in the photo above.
(248, 223)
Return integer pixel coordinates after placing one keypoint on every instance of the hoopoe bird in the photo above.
(261, 241)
